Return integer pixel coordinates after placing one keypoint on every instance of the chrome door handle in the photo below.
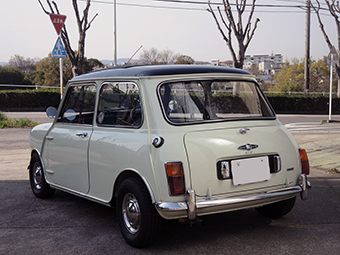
(49, 137)
(83, 135)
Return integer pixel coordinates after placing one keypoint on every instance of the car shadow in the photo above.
(69, 224)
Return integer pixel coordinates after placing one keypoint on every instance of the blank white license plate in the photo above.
(250, 170)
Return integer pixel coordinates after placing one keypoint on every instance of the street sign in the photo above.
(58, 21)
(59, 50)
(333, 52)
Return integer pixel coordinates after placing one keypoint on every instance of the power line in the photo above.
(148, 6)
(214, 3)
(280, 6)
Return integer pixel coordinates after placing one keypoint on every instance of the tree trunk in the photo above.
(243, 34)
(76, 57)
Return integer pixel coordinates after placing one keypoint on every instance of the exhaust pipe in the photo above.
(196, 221)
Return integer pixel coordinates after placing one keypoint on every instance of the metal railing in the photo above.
(29, 86)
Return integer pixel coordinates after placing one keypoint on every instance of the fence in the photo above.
(28, 86)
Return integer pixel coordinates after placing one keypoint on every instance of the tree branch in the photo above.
(317, 11)
(217, 23)
(43, 8)
(247, 29)
(252, 34)
(89, 25)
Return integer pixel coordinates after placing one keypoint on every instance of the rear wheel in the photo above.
(138, 219)
(277, 209)
(38, 183)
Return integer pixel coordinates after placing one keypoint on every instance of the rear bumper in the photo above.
(192, 208)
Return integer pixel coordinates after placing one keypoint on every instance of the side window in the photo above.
(119, 105)
(79, 104)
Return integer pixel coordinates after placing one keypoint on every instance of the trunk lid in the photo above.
(248, 147)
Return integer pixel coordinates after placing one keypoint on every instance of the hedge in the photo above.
(307, 104)
(31, 100)
(28, 100)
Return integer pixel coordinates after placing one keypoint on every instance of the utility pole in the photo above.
(114, 33)
(307, 47)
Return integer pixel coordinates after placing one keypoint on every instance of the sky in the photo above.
(183, 28)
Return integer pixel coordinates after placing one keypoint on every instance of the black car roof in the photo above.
(157, 70)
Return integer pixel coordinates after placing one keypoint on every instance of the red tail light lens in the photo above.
(304, 161)
(175, 176)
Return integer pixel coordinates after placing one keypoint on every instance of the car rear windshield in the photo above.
(212, 100)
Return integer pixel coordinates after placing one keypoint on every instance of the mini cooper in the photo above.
(170, 141)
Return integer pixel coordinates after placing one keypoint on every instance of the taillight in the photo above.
(304, 161)
(175, 176)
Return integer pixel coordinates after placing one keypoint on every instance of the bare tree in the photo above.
(151, 56)
(334, 9)
(155, 57)
(76, 56)
(26, 65)
(227, 25)
(168, 57)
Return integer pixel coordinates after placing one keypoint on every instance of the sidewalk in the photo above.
(323, 151)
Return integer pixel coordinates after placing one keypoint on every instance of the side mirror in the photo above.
(51, 112)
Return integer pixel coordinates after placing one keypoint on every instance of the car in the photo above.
(168, 142)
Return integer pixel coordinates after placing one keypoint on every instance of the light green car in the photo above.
(173, 142)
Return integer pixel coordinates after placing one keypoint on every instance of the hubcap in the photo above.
(131, 213)
(37, 175)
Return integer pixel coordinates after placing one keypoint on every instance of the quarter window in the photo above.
(119, 105)
(79, 105)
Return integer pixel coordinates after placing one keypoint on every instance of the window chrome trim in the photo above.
(221, 79)
(116, 125)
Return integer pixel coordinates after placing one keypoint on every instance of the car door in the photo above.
(66, 146)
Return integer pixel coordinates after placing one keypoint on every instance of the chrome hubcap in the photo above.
(37, 175)
(131, 213)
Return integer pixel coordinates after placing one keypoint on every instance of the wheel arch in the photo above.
(129, 174)
(36, 151)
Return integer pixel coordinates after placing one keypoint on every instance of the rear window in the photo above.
(211, 100)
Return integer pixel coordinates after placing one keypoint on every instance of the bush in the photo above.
(28, 99)
(307, 104)
(6, 122)
(282, 103)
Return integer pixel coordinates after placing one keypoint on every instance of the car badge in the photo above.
(248, 147)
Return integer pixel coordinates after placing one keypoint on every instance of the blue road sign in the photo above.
(59, 50)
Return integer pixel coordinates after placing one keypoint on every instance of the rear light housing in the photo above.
(304, 161)
(175, 176)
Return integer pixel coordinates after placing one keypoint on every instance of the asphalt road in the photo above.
(67, 224)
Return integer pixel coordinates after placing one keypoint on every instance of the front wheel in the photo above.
(277, 209)
(38, 183)
(137, 217)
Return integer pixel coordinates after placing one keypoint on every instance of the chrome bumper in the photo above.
(192, 208)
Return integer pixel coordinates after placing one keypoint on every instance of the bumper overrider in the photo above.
(192, 207)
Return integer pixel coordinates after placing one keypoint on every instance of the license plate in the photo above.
(245, 171)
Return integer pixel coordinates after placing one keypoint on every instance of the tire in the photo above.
(277, 209)
(38, 183)
(138, 220)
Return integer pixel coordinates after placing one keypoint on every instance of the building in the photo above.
(257, 59)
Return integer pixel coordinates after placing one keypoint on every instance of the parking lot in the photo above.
(67, 224)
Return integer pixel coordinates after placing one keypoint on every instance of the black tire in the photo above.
(138, 220)
(277, 209)
(38, 183)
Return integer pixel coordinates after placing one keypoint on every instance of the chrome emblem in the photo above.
(248, 147)
(243, 131)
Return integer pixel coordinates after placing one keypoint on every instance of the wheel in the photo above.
(38, 183)
(138, 220)
(277, 209)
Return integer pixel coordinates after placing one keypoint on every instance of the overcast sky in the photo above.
(183, 28)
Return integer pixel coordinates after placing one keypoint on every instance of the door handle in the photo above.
(49, 137)
(83, 135)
